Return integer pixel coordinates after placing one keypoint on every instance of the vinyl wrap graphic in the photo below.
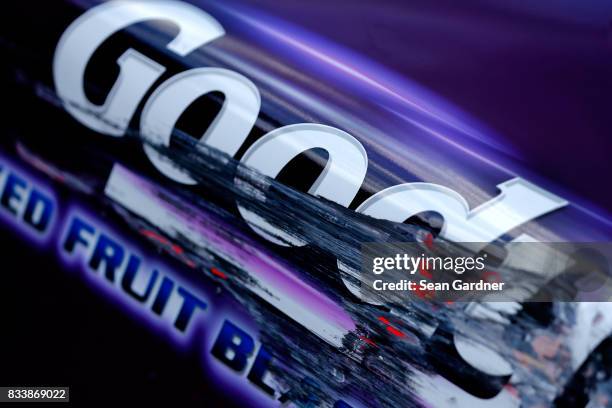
(280, 263)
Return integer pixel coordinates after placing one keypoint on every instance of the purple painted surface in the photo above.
(526, 86)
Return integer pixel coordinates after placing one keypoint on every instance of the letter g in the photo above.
(137, 72)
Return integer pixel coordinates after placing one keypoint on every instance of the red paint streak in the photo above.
(390, 328)
(155, 236)
(218, 273)
(382, 319)
(423, 271)
(395, 332)
(174, 247)
(425, 294)
(429, 241)
(370, 342)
